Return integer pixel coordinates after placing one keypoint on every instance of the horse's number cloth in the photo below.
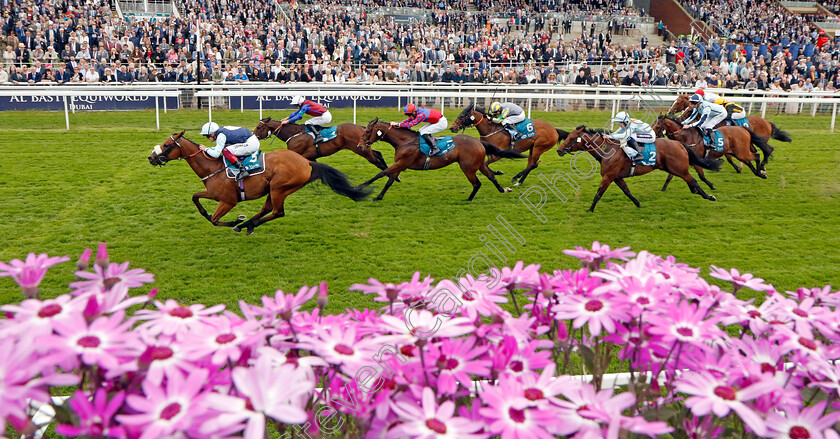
(328, 133)
(444, 145)
(649, 154)
(718, 143)
(524, 130)
(254, 164)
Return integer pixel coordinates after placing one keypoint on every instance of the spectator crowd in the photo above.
(65, 41)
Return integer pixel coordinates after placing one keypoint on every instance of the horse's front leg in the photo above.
(623, 185)
(605, 183)
(216, 215)
(249, 225)
(388, 171)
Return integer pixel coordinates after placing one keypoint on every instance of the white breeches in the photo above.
(738, 115)
(322, 120)
(713, 121)
(435, 127)
(513, 120)
(242, 149)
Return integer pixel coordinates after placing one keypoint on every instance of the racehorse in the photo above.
(760, 125)
(736, 142)
(671, 156)
(285, 172)
(297, 140)
(469, 152)
(545, 137)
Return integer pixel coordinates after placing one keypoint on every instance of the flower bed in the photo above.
(439, 359)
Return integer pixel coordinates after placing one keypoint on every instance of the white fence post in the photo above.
(66, 114)
(157, 113)
(833, 115)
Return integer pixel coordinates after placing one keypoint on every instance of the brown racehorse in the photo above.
(546, 136)
(671, 156)
(285, 172)
(468, 152)
(297, 140)
(736, 143)
(760, 125)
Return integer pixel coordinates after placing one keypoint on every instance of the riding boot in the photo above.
(243, 174)
(639, 149)
(432, 144)
(317, 130)
(711, 136)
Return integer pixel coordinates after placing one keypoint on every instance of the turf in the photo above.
(63, 191)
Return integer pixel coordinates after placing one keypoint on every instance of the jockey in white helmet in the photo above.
(631, 132)
(706, 115)
(232, 142)
(320, 115)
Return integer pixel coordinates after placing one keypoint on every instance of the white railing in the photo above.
(68, 95)
(456, 95)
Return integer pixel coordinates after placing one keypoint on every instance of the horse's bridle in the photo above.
(379, 136)
(568, 150)
(163, 158)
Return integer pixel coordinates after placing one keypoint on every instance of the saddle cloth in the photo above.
(743, 122)
(649, 154)
(444, 145)
(328, 133)
(524, 130)
(254, 164)
(718, 143)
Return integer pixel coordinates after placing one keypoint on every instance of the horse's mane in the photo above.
(672, 119)
(596, 131)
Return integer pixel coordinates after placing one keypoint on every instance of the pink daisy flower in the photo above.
(164, 357)
(29, 272)
(223, 338)
(476, 299)
(35, 317)
(431, 421)
(810, 422)
(593, 258)
(715, 395)
(685, 323)
(95, 417)
(100, 343)
(512, 416)
(164, 411)
(341, 346)
(170, 318)
(420, 324)
(601, 311)
(740, 280)
(520, 276)
(115, 277)
(285, 305)
(456, 361)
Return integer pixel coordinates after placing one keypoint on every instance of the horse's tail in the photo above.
(761, 143)
(337, 181)
(562, 133)
(694, 159)
(778, 134)
(504, 154)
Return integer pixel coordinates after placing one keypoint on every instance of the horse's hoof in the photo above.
(507, 189)
(763, 172)
(242, 217)
(712, 198)
(498, 173)
(377, 199)
(517, 183)
(249, 232)
(236, 229)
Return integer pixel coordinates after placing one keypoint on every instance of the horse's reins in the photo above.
(379, 136)
(475, 124)
(175, 143)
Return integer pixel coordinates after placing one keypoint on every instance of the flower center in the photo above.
(584, 408)
(181, 312)
(800, 313)
(344, 349)
(436, 426)
(738, 279)
(516, 366)
(685, 332)
(767, 367)
(467, 297)
(49, 311)
(799, 433)
(161, 353)
(88, 341)
(407, 350)
(754, 314)
(808, 343)
(447, 363)
(516, 415)
(643, 301)
(110, 282)
(725, 392)
(170, 411)
(533, 394)
(225, 338)
(594, 305)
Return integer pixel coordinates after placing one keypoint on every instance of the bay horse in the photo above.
(671, 156)
(296, 139)
(546, 136)
(760, 125)
(468, 152)
(736, 142)
(285, 172)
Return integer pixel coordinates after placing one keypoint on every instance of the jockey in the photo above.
(437, 123)
(232, 142)
(321, 116)
(733, 110)
(706, 115)
(631, 132)
(506, 114)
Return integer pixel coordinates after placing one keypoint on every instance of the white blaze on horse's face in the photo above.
(157, 150)
(378, 133)
(579, 140)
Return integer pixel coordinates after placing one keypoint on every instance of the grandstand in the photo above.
(757, 44)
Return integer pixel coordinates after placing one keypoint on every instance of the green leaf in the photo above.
(663, 414)
(588, 357)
